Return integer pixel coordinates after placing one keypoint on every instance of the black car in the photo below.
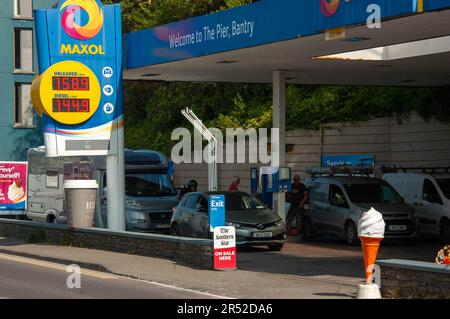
(255, 224)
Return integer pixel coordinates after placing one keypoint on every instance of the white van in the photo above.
(429, 194)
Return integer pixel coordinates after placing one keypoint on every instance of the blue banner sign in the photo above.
(262, 22)
(348, 160)
(217, 211)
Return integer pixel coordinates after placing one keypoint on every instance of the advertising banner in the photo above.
(13, 188)
(216, 211)
(224, 248)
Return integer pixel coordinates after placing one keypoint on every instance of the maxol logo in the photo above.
(329, 7)
(81, 20)
(92, 49)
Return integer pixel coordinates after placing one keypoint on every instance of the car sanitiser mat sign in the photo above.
(225, 248)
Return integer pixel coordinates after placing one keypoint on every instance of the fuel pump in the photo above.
(264, 184)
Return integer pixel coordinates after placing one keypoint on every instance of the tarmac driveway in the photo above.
(328, 259)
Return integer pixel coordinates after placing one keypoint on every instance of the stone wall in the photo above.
(194, 252)
(405, 279)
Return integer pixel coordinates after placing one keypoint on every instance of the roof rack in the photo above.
(359, 170)
(422, 169)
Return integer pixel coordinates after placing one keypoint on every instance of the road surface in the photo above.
(30, 279)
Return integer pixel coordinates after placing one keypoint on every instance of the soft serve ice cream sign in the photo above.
(371, 227)
(13, 187)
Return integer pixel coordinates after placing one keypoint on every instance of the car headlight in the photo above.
(137, 217)
(235, 225)
(133, 203)
(280, 223)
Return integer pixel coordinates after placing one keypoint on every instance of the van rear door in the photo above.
(429, 207)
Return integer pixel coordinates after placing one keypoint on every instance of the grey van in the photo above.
(150, 192)
(336, 204)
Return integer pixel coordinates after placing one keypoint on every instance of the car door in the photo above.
(338, 211)
(318, 205)
(200, 220)
(429, 207)
(187, 215)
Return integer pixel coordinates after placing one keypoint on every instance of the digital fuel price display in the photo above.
(71, 106)
(69, 92)
(65, 83)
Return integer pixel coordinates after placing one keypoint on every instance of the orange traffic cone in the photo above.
(370, 248)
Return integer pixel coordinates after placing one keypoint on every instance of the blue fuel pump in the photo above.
(265, 185)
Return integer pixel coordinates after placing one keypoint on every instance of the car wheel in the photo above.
(445, 232)
(175, 230)
(275, 247)
(307, 231)
(351, 234)
(51, 219)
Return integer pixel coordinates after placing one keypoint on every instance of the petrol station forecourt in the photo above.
(298, 43)
(291, 47)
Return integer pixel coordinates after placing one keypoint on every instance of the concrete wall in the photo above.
(405, 279)
(410, 142)
(15, 141)
(195, 252)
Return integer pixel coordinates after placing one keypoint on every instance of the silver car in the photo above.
(255, 224)
(336, 204)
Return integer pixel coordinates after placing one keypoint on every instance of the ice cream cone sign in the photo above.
(371, 232)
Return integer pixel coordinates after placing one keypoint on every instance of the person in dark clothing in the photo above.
(297, 197)
(191, 187)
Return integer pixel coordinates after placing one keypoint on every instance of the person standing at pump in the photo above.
(297, 197)
(234, 187)
(191, 188)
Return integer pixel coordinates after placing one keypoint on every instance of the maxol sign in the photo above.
(79, 90)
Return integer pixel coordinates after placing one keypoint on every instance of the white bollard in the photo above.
(368, 291)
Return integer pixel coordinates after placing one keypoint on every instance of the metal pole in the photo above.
(212, 147)
(115, 174)
(279, 121)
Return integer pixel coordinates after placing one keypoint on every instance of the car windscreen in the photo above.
(372, 193)
(444, 183)
(241, 201)
(149, 184)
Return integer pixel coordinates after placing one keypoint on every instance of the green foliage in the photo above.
(141, 14)
(309, 107)
(157, 111)
(236, 3)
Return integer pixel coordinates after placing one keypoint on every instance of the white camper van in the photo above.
(149, 190)
(429, 193)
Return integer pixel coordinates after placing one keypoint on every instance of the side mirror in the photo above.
(426, 197)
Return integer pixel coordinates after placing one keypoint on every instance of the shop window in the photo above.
(23, 50)
(23, 109)
(23, 8)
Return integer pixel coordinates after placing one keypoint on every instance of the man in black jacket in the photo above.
(297, 197)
